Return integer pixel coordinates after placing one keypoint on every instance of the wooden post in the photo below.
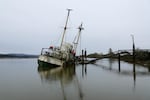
(119, 61)
(82, 56)
(85, 54)
(133, 57)
(133, 49)
(134, 70)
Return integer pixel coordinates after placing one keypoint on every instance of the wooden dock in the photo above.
(89, 61)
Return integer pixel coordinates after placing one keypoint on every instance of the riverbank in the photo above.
(13, 55)
(141, 57)
(143, 62)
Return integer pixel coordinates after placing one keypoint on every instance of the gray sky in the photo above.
(26, 26)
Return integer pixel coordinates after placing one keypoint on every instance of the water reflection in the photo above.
(65, 75)
(21, 79)
(134, 75)
(125, 72)
(149, 69)
(69, 78)
(84, 70)
(49, 74)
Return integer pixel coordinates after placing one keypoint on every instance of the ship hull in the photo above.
(48, 61)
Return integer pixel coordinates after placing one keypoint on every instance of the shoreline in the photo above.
(3, 56)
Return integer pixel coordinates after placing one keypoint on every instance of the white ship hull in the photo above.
(50, 60)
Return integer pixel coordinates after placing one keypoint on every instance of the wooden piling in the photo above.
(133, 57)
(82, 56)
(85, 54)
(119, 61)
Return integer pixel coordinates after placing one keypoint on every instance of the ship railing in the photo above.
(46, 51)
(51, 52)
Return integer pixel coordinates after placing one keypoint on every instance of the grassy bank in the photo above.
(141, 57)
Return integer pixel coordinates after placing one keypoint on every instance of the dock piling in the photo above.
(119, 62)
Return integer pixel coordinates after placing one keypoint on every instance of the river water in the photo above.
(22, 79)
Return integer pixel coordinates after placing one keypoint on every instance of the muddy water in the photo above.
(22, 79)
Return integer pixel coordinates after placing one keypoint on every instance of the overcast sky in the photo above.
(26, 26)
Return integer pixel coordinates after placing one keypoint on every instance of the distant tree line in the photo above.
(142, 54)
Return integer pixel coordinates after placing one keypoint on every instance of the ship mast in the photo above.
(77, 40)
(65, 28)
